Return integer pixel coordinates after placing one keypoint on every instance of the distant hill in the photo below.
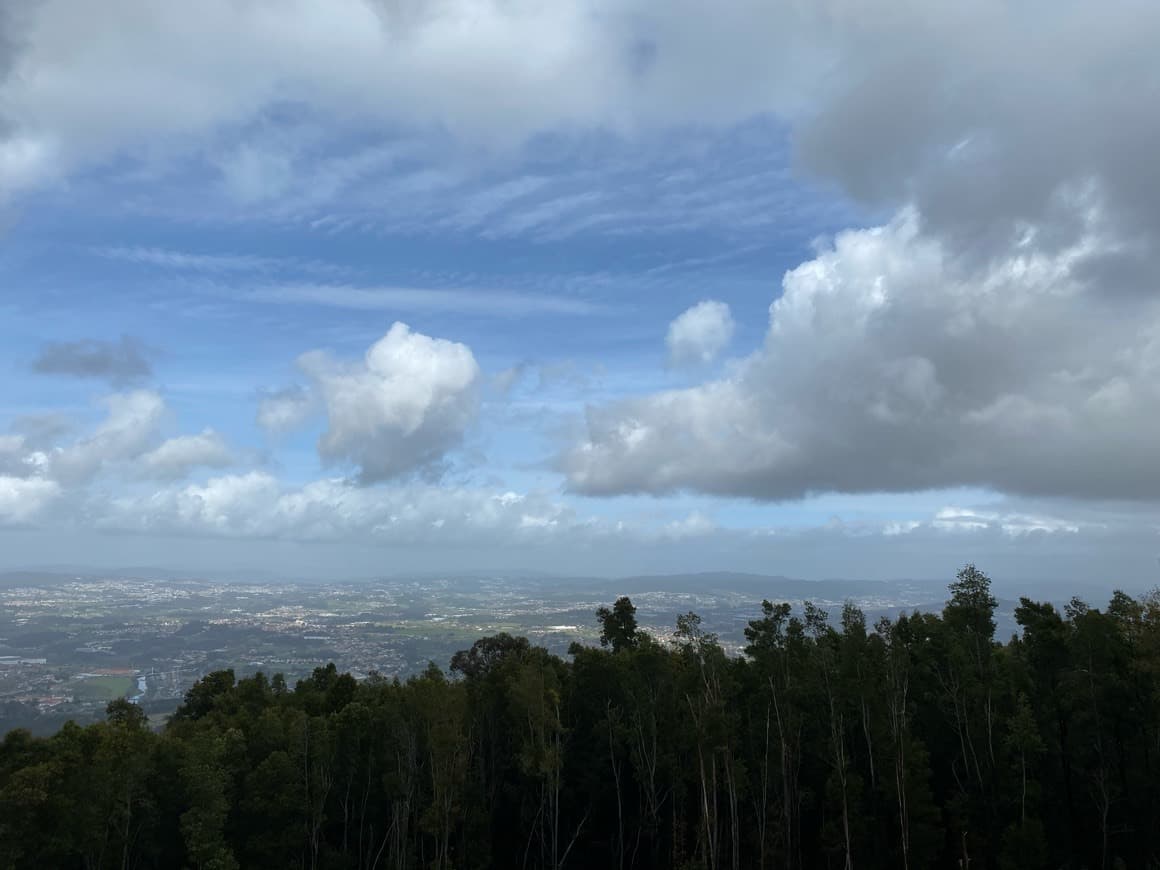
(762, 585)
(9, 579)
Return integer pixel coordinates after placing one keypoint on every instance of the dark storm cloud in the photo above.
(997, 116)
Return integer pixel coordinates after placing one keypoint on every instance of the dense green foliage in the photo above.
(916, 743)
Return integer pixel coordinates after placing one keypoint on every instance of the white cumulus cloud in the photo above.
(132, 423)
(402, 408)
(700, 333)
(23, 499)
(176, 457)
(889, 365)
(285, 410)
(257, 504)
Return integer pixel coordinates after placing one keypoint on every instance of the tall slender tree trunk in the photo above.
(763, 804)
(900, 686)
(616, 780)
(838, 744)
(734, 822)
(787, 782)
(708, 821)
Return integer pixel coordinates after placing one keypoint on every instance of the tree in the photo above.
(204, 696)
(123, 713)
(1023, 841)
(488, 653)
(971, 608)
(618, 627)
(777, 646)
(205, 780)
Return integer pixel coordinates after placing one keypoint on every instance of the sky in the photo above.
(832, 288)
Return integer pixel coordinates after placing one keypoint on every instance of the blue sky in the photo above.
(679, 293)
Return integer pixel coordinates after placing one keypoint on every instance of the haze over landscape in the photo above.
(360, 288)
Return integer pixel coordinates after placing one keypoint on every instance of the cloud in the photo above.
(401, 409)
(985, 117)
(77, 86)
(126, 440)
(889, 365)
(253, 174)
(176, 457)
(1002, 331)
(9, 37)
(287, 409)
(991, 118)
(213, 263)
(256, 504)
(505, 381)
(459, 300)
(695, 525)
(700, 333)
(78, 95)
(14, 456)
(23, 499)
(41, 430)
(925, 89)
(532, 528)
(118, 362)
(130, 426)
(1011, 524)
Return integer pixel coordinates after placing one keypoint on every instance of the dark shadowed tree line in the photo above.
(914, 743)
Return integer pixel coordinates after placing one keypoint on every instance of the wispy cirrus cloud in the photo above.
(702, 184)
(215, 263)
(480, 301)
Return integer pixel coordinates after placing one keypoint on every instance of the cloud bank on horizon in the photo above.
(875, 285)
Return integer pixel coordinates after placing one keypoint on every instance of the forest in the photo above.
(920, 742)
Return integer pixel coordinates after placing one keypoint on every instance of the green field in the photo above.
(102, 688)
